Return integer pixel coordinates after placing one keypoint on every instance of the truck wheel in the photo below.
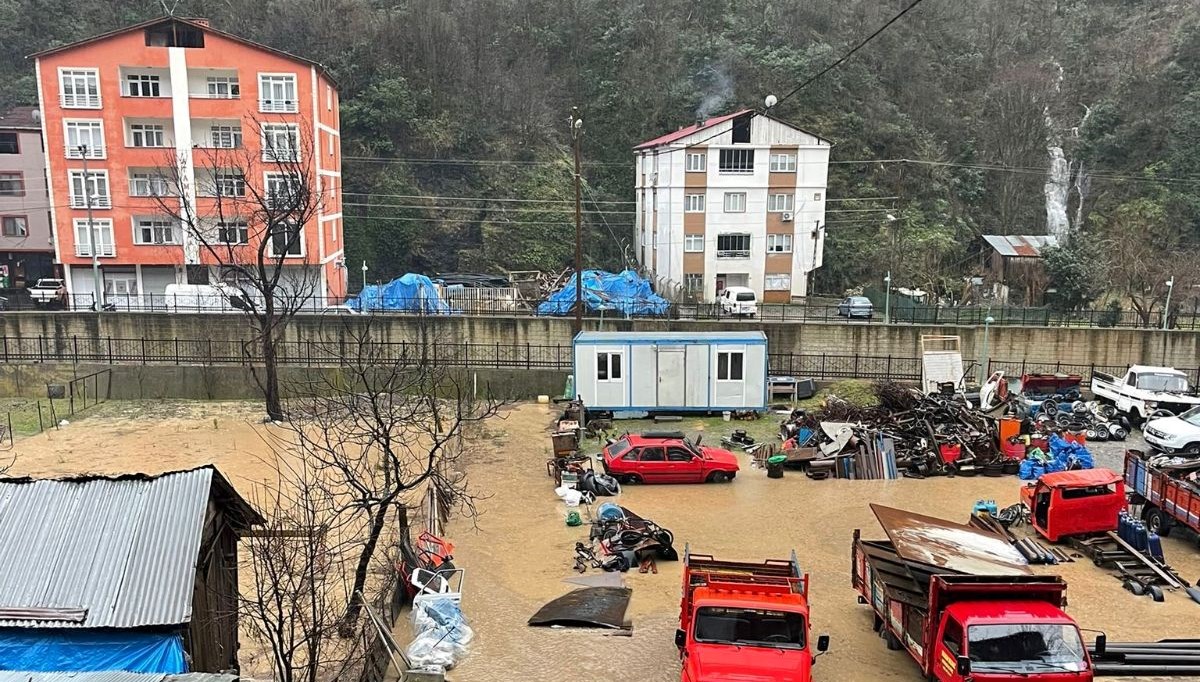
(718, 477)
(1157, 521)
(890, 640)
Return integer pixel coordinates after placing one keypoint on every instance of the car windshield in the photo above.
(49, 283)
(860, 300)
(1025, 646)
(619, 448)
(1192, 416)
(745, 296)
(1167, 383)
(754, 627)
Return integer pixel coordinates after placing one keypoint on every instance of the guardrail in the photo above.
(507, 306)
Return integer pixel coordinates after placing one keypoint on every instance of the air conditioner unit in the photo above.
(785, 217)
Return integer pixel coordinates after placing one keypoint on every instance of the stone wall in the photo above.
(1035, 344)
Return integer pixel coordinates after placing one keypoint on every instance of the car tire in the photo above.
(717, 477)
(631, 479)
(1157, 521)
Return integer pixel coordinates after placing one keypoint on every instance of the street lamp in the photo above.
(983, 358)
(1167, 307)
(364, 269)
(887, 298)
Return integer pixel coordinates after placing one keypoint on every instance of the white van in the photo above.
(739, 301)
(202, 298)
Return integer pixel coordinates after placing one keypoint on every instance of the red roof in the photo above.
(1080, 478)
(692, 129)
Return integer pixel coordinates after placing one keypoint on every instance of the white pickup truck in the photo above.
(48, 292)
(1146, 392)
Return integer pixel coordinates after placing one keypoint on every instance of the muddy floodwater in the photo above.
(519, 550)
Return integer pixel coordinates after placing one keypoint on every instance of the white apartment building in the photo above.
(738, 200)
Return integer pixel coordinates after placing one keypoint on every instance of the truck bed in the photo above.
(703, 569)
(1178, 499)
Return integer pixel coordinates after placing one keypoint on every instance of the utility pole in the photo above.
(576, 133)
(98, 291)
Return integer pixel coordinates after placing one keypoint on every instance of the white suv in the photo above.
(1175, 434)
(739, 301)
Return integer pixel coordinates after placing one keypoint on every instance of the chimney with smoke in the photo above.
(718, 90)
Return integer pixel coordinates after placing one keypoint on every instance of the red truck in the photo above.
(745, 621)
(1166, 501)
(961, 626)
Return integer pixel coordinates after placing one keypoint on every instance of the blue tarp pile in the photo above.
(1064, 455)
(410, 293)
(69, 650)
(625, 293)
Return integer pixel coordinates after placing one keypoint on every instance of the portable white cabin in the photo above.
(646, 372)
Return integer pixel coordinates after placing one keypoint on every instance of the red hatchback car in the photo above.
(667, 458)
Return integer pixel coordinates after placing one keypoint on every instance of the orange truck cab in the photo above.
(1068, 503)
(745, 621)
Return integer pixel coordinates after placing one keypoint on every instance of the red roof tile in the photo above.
(690, 130)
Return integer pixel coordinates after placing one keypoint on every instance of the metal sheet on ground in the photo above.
(601, 607)
(953, 546)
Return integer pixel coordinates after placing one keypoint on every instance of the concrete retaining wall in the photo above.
(1066, 345)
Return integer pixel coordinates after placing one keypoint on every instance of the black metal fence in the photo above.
(1015, 368)
(63, 401)
(768, 312)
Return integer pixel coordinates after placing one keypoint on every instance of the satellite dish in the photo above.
(771, 101)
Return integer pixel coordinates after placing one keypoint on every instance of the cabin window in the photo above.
(731, 365)
(1089, 491)
(608, 366)
(953, 637)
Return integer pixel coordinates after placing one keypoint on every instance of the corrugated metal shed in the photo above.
(1025, 246)
(124, 549)
(112, 676)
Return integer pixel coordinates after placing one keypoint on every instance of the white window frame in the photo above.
(219, 134)
(604, 358)
(746, 167)
(148, 81)
(79, 75)
(777, 282)
(693, 243)
(272, 178)
(230, 84)
(145, 130)
(268, 102)
(783, 163)
(232, 180)
(689, 278)
(21, 220)
(275, 254)
(152, 182)
(727, 357)
(781, 203)
(693, 203)
(242, 228)
(155, 225)
(272, 133)
(779, 243)
(83, 247)
(127, 281)
(92, 125)
(735, 202)
(734, 253)
(95, 178)
(696, 162)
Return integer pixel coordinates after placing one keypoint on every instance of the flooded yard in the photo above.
(519, 551)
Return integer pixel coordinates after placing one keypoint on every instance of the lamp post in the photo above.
(983, 358)
(1167, 307)
(887, 298)
(364, 269)
(98, 288)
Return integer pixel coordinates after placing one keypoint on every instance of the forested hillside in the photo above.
(451, 106)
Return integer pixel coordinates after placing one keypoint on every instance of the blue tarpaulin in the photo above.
(69, 650)
(625, 293)
(412, 293)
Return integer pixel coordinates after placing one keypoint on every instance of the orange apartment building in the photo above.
(152, 102)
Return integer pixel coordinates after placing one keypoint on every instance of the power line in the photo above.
(470, 162)
(476, 208)
(488, 199)
(439, 221)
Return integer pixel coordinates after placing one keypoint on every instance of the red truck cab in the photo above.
(1067, 503)
(745, 621)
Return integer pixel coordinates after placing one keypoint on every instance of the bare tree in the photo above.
(299, 563)
(389, 425)
(1144, 252)
(243, 209)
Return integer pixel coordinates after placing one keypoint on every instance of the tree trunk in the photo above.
(355, 605)
(274, 403)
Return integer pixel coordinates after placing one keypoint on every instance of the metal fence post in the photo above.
(41, 349)
(888, 375)
(75, 348)
(6, 350)
(528, 356)
(176, 350)
(110, 357)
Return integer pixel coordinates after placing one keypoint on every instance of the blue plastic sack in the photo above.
(1025, 473)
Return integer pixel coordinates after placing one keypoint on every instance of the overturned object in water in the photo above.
(590, 607)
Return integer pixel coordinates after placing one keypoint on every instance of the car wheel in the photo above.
(717, 477)
(631, 479)
(1157, 522)
(1191, 449)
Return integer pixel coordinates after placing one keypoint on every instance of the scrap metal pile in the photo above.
(928, 435)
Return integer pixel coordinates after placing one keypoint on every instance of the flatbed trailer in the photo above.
(1166, 501)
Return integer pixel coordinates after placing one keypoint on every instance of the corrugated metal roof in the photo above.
(112, 676)
(124, 549)
(689, 130)
(24, 118)
(622, 337)
(1027, 246)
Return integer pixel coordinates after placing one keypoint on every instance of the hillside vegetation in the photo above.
(973, 94)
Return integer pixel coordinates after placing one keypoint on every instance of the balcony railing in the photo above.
(69, 101)
(286, 106)
(78, 201)
(733, 253)
(105, 250)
